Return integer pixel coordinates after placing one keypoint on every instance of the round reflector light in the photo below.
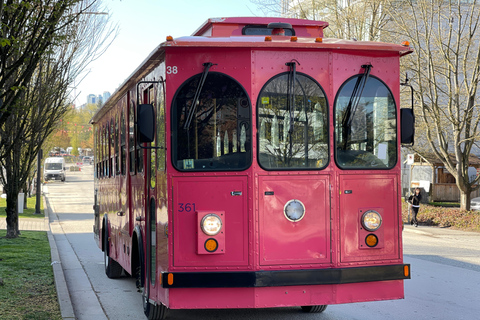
(371, 220)
(211, 245)
(294, 210)
(371, 240)
(211, 224)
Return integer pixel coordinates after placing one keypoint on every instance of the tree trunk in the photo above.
(12, 222)
(465, 198)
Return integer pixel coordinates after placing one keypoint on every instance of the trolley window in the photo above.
(365, 125)
(215, 133)
(293, 127)
(263, 30)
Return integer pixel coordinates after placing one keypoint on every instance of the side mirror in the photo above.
(407, 130)
(145, 123)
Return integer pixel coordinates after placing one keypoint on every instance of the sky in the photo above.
(143, 25)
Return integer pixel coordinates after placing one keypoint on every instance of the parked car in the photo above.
(54, 169)
(87, 160)
(475, 204)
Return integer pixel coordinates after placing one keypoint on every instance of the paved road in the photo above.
(444, 285)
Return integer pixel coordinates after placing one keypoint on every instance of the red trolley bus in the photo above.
(255, 164)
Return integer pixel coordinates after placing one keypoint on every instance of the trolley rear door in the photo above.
(294, 240)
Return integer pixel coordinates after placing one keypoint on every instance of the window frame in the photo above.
(335, 153)
(327, 125)
(174, 124)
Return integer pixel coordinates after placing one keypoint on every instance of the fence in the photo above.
(448, 192)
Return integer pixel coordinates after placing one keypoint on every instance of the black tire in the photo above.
(314, 309)
(152, 312)
(112, 268)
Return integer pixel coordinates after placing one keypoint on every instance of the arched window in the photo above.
(214, 133)
(365, 126)
(293, 124)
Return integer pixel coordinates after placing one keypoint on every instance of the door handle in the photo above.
(236, 193)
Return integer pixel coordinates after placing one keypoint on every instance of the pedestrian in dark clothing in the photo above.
(414, 201)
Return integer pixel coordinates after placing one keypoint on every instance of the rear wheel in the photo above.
(314, 309)
(112, 268)
(152, 312)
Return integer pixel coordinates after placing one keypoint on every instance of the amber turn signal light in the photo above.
(371, 240)
(211, 245)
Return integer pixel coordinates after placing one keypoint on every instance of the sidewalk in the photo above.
(29, 224)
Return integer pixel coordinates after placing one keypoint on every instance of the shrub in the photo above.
(445, 217)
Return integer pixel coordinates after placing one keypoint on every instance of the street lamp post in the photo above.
(39, 186)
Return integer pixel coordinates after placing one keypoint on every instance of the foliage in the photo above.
(41, 96)
(28, 290)
(28, 31)
(445, 217)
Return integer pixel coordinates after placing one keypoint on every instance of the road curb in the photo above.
(63, 295)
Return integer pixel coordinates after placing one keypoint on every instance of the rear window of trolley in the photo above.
(213, 134)
(365, 125)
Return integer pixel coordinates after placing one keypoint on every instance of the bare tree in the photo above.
(446, 67)
(348, 19)
(43, 101)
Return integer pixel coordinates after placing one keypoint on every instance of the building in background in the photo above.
(106, 95)
(100, 99)
(92, 99)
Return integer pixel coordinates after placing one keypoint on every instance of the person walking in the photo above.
(414, 201)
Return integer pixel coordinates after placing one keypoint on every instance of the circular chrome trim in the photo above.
(296, 202)
(363, 220)
(203, 221)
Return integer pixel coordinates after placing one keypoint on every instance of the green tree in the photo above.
(31, 114)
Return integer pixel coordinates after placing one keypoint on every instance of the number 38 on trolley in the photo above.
(255, 164)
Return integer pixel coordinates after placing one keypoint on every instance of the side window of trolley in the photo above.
(97, 152)
(131, 136)
(149, 98)
(123, 143)
(105, 151)
(365, 125)
(111, 140)
(214, 133)
(292, 124)
(117, 153)
(160, 128)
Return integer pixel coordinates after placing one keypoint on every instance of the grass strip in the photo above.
(28, 212)
(27, 288)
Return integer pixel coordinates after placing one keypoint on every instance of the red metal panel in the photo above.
(233, 26)
(267, 297)
(359, 193)
(210, 194)
(306, 241)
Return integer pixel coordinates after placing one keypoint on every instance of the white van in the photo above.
(54, 169)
